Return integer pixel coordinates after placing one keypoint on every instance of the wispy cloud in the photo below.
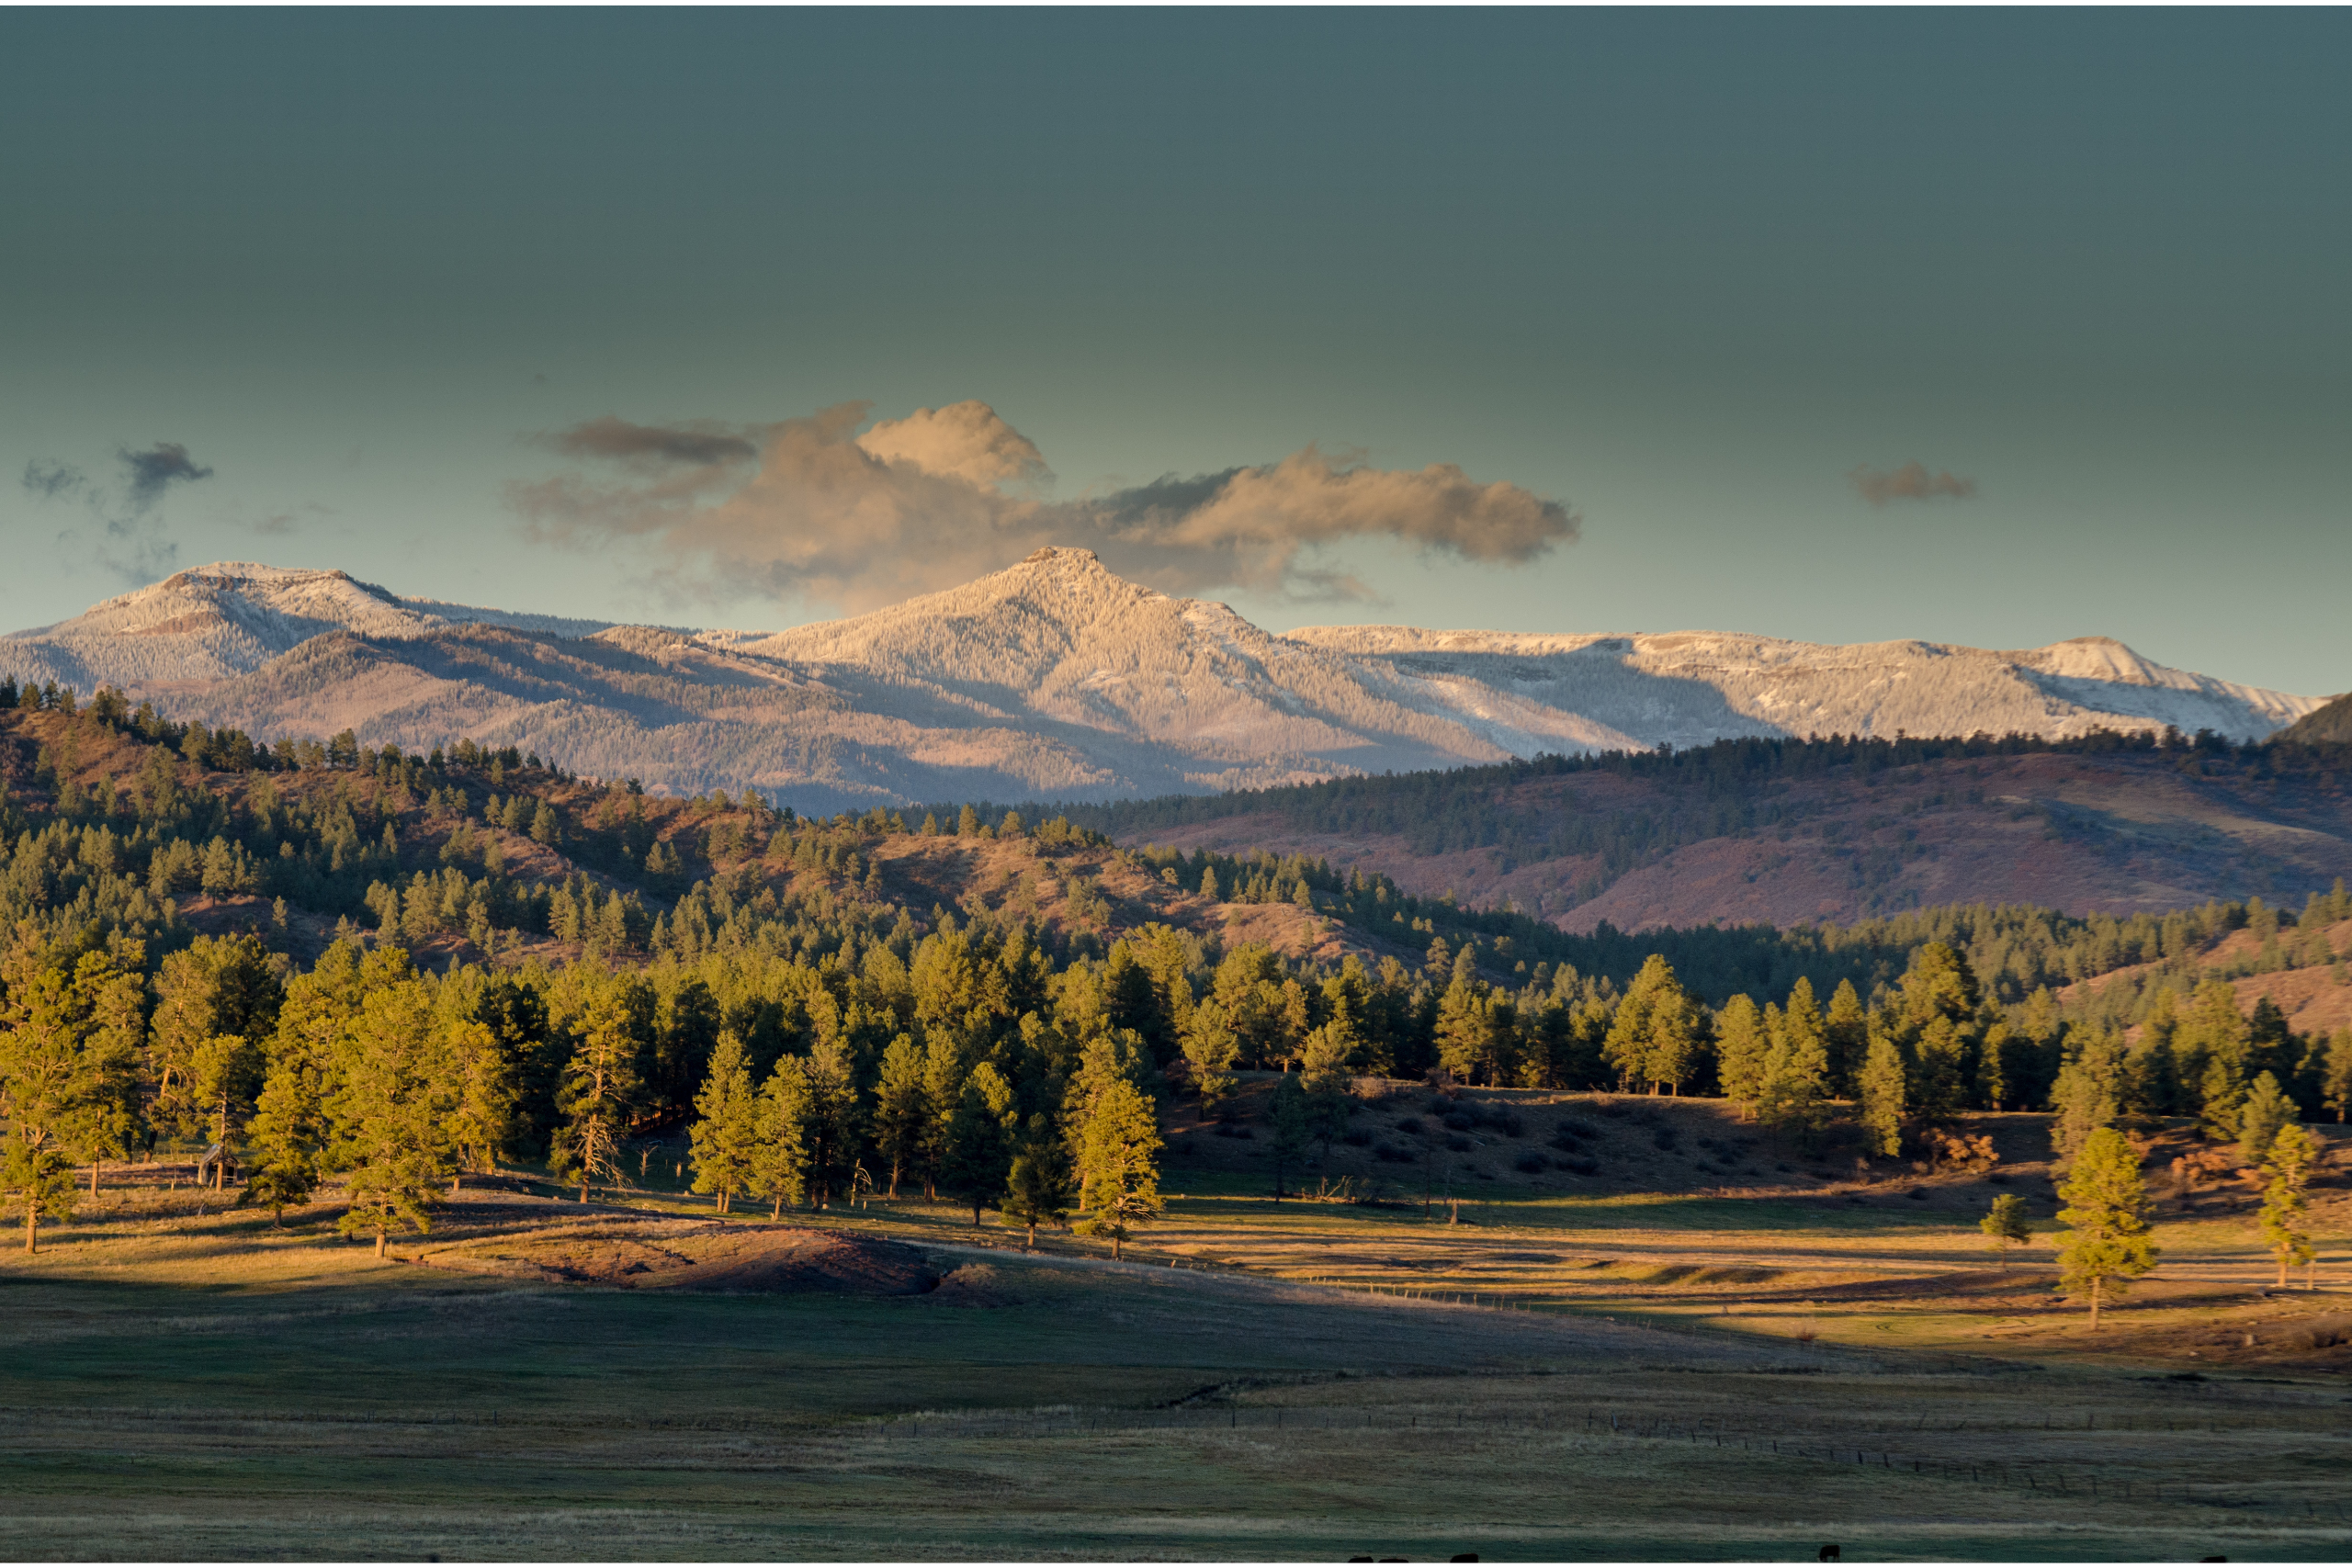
(812, 508)
(1911, 481)
(123, 532)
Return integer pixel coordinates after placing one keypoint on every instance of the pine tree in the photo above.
(1210, 1049)
(391, 1114)
(2088, 1093)
(780, 1168)
(1323, 1075)
(2286, 1200)
(1846, 1032)
(1796, 1072)
(1118, 1165)
(1294, 1128)
(1741, 1051)
(979, 1148)
(599, 1088)
(2107, 1242)
(2336, 1074)
(1881, 1089)
(2007, 1225)
(725, 1137)
(1038, 1189)
(66, 1059)
(544, 829)
(2265, 1110)
(902, 1110)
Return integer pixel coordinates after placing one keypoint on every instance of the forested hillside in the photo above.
(327, 956)
(1787, 832)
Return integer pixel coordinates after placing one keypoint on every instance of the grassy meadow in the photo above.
(1533, 1375)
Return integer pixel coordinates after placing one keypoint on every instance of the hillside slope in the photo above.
(1794, 833)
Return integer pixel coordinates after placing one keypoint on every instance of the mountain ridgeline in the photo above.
(1053, 679)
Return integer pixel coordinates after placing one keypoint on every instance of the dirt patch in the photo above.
(974, 1285)
(690, 1256)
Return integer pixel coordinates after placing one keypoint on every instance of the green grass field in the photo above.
(185, 1387)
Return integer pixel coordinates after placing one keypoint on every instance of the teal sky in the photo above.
(1683, 271)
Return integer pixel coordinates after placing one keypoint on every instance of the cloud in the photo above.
(122, 533)
(156, 469)
(1910, 482)
(810, 508)
(53, 482)
(278, 524)
(966, 440)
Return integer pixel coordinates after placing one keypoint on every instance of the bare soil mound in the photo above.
(974, 1285)
(701, 1255)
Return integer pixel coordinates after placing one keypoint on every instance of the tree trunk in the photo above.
(379, 1243)
(32, 1221)
(584, 1193)
(975, 1214)
(894, 1181)
(95, 1163)
(2096, 1284)
(779, 1207)
(1033, 1235)
(2282, 1268)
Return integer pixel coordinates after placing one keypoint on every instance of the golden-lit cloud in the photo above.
(1909, 482)
(810, 508)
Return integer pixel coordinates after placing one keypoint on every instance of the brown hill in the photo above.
(2080, 831)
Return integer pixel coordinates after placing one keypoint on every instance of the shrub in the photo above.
(1356, 1137)
(1409, 1124)
(1916, 1193)
(1583, 1165)
(1573, 1127)
(1458, 1144)
(1459, 1120)
(1564, 1141)
(1507, 1122)
(1531, 1162)
(1664, 1138)
(1392, 1155)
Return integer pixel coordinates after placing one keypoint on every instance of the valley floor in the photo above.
(1646, 1375)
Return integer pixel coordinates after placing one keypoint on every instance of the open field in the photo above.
(1635, 1374)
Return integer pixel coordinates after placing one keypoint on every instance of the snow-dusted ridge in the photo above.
(1056, 677)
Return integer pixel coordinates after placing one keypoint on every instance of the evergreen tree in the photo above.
(780, 1168)
(2088, 1093)
(2265, 1111)
(725, 1137)
(1118, 1165)
(599, 1089)
(1294, 1128)
(2107, 1242)
(1324, 1077)
(66, 1060)
(1038, 1189)
(902, 1108)
(2007, 1225)
(979, 1148)
(2336, 1074)
(391, 1114)
(1654, 1036)
(1742, 1052)
(1211, 1048)
(481, 1117)
(1881, 1089)
(1796, 1070)
(1846, 1032)
(544, 829)
(2287, 1172)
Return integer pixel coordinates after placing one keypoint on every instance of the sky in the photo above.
(1991, 327)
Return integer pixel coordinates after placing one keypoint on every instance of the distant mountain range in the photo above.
(1051, 680)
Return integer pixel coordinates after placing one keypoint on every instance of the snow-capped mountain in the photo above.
(214, 622)
(1053, 678)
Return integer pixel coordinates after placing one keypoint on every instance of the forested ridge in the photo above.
(332, 960)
